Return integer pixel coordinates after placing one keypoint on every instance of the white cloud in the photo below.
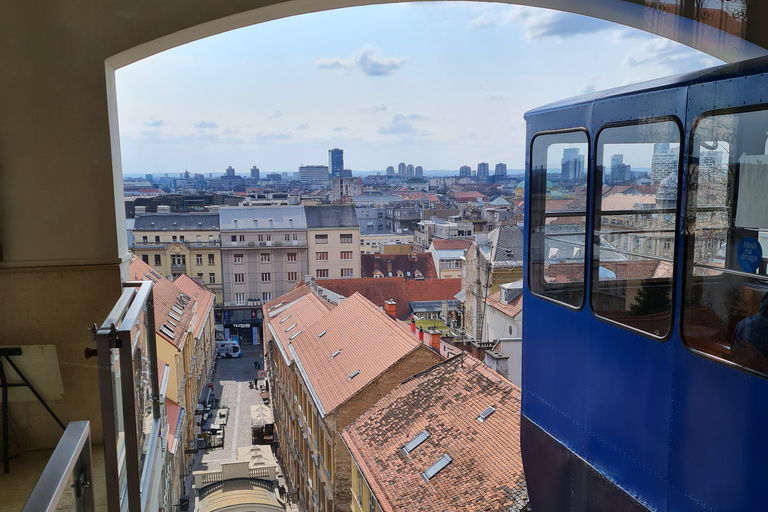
(375, 108)
(367, 60)
(154, 122)
(401, 124)
(206, 125)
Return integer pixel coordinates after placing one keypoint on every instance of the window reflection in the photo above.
(725, 315)
(638, 167)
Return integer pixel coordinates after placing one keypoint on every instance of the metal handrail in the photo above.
(72, 455)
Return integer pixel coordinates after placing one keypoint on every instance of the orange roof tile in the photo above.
(368, 341)
(442, 245)
(295, 317)
(173, 412)
(167, 296)
(486, 460)
(202, 296)
(512, 308)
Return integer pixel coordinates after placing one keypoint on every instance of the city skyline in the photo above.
(452, 95)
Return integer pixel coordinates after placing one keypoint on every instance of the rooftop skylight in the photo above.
(291, 327)
(435, 468)
(284, 319)
(354, 374)
(295, 335)
(335, 353)
(415, 442)
(484, 415)
(321, 334)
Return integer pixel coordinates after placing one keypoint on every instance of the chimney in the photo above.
(164, 209)
(140, 209)
(413, 325)
(421, 333)
(390, 308)
(389, 267)
(434, 339)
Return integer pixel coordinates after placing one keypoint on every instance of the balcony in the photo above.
(189, 243)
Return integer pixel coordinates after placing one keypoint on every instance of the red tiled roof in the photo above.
(512, 308)
(468, 196)
(173, 413)
(441, 245)
(378, 290)
(201, 296)
(446, 401)
(304, 312)
(368, 340)
(435, 289)
(166, 295)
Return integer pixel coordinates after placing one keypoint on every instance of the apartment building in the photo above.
(446, 440)
(447, 256)
(181, 243)
(493, 259)
(185, 342)
(327, 365)
(333, 235)
(264, 254)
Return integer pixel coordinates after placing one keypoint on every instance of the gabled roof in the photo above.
(365, 341)
(444, 245)
(176, 222)
(201, 296)
(446, 400)
(173, 413)
(626, 202)
(331, 216)
(507, 245)
(378, 290)
(254, 218)
(295, 316)
(173, 308)
(512, 308)
(406, 263)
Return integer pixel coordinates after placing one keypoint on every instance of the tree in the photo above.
(653, 297)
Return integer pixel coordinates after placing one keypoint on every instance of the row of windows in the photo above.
(343, 255)
(179, 238)
(264, 257)
(179, 259)
(634, 210)
(343, 238)
(266, 277)
(324, 272)
(240, 298)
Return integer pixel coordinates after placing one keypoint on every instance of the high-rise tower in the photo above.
(335, 162)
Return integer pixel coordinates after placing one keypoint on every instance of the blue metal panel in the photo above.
(719, 437)
(627, 416)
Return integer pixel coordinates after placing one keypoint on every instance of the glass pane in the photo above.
(117, 401)
(635, 233)
(142, 375)
(558, 209)
(725, 315)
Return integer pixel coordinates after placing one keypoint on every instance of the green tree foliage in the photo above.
(653, 297)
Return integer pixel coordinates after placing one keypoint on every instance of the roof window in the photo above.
(291, 327)
(321, 334)
(294, 335)
(435, 468)
(335, 353)
(415, 442)
(284, 319)
(484, 415)
(354, 374)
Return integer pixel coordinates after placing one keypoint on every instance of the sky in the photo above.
(435, 84)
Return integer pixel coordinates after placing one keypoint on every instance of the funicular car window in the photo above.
(558, 195)
(636, 211)
(726, 308)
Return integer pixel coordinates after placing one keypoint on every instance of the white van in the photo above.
(228, 348)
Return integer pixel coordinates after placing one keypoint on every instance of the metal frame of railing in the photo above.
(127, 478)
(68, 471)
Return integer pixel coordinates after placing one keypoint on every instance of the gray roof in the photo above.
(331, 216)
(251, 218)
(507, 243)
(176, 222)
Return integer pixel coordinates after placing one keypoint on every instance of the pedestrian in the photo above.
(256, 365)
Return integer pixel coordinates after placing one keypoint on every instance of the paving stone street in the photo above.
(231, 385)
